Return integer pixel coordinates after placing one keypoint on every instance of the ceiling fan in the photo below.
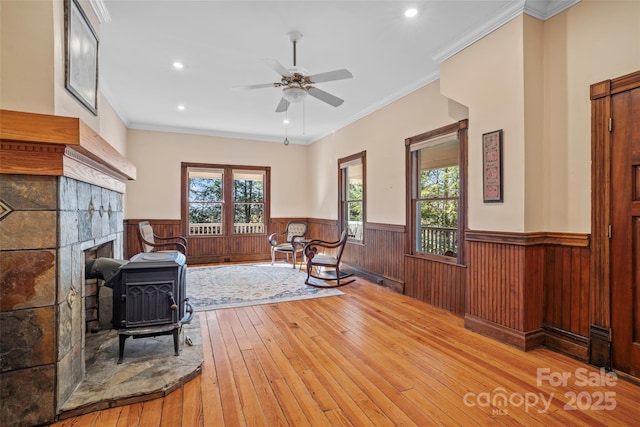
(297, 83)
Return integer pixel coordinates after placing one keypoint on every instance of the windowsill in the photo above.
(438, 259)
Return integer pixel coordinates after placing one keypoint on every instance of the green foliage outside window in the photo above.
(439, 192)
(248, 196)
(205, 200)
(354, 202)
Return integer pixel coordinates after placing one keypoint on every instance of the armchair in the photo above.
(326, 267)
(295, 233)
(148, 239)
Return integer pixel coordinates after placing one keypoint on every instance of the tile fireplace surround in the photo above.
(61, 193)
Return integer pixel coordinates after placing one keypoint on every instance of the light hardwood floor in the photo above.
(372, 357)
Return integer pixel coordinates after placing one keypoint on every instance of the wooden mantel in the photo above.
(41, 144)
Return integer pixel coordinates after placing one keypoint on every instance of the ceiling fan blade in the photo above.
(325, 97)
(331, 75)
(260, 86)
(277, 67)
(283, 105)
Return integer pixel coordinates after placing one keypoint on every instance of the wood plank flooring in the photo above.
(372, 357)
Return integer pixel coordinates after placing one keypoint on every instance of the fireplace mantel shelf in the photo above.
(41, 144)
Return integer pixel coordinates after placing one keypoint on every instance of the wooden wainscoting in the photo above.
(215, 249)
(161, 227)
(202, 249)
(566, 296)
(437, 283)
(519, 282)
(380, 257)
(322, 229)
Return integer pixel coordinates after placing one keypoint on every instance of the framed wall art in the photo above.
(492, 166)
(81, 56)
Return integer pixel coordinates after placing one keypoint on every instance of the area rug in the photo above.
(241, 285)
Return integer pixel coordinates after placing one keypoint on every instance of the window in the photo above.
(248, 202)
(436, 216)
(225, 200)
(351, 184)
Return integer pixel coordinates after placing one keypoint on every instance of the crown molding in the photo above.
(380, 104)
(540, 9)
(507, 14)
(100, 9)
(546, 9)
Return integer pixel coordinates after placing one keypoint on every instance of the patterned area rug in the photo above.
(241, 285)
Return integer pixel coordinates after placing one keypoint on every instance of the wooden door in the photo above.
(625, 231)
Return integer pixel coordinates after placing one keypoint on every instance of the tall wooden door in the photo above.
(625, 231)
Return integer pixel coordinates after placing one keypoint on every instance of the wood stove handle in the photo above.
(174, 306)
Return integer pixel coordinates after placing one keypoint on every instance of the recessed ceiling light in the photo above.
(178, 65)
(286, 121)
(181, 107)
(410, 13)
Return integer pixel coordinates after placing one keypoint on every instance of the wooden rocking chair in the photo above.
(326, 267)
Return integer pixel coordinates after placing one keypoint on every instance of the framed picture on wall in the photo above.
(81, 56)
(492, 166)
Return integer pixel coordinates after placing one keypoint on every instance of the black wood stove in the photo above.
(149, 297)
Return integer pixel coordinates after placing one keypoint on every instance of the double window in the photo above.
(225, 200)
(351, 182)
(436, 166)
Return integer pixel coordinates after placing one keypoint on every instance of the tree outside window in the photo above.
(437, 206)
(436, 171)
(248, 199)
(352, 195)
(210, 187)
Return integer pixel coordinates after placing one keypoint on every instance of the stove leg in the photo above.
(121, 349)
(176, 341)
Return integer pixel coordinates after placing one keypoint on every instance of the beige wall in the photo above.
(65, 103)
(158, 155)
(32, 66)
(532, 80)
(382, 135)
(590, 42)
(487, 77)
(533, 124)
(529, 78)
(26, 65)
(112, 129)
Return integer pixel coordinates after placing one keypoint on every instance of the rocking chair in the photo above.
(326, 267)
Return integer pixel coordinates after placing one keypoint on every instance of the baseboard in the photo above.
(566, 342)
(524, 341)
(216, 259)
(600, 346)
(379, 279)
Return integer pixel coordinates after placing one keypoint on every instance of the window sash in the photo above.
(438, 236)
(245, 214)
(352, 195)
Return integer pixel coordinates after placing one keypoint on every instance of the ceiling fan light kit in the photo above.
(296, 83)
(294, 94)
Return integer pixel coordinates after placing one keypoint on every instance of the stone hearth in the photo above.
(61, 193)
(49, 223)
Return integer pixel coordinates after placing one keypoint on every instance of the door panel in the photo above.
(625, 223)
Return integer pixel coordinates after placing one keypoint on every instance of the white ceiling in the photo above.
(222, 44)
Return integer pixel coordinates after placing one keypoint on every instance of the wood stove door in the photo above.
(149, 297)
